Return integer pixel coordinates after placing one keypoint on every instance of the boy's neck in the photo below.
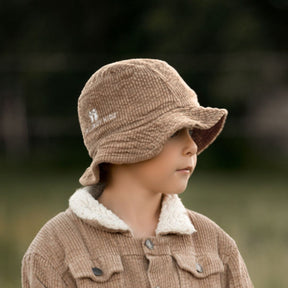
(138, 208)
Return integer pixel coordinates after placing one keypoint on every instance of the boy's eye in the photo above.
(177, 133)
(191, 133)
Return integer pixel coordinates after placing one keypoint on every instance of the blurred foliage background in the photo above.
(233, 54)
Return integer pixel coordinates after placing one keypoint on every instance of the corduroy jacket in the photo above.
(89, 246)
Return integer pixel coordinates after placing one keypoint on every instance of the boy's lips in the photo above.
(187, 169)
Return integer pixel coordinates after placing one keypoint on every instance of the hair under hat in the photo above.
(128, 109)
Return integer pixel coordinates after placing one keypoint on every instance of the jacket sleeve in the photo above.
(236, 273)
(37, 272)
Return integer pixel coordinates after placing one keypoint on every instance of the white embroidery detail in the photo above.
(96, 122)
(93, 115)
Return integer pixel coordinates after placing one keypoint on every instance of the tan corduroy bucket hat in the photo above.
(128, 109)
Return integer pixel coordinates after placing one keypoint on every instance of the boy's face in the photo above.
(169, 171)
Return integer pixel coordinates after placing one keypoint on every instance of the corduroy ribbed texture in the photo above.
(128, 109)
(69, 252)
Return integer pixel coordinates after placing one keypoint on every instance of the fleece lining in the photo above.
(173, 217)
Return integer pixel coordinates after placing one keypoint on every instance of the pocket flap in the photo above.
(99, 270)
(200, 266)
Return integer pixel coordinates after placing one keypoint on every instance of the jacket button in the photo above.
(199, 268)
(97, 271)
(149, 244)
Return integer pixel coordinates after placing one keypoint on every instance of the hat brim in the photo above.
(147, 140)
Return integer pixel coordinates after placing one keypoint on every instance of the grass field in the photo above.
(251, 207)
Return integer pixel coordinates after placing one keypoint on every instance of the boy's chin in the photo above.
(177, 191)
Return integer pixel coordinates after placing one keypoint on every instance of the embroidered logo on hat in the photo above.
(93, 115)
(96, 122)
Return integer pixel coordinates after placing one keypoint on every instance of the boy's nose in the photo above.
(191, 147)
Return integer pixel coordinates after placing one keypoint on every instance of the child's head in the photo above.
(129, 109)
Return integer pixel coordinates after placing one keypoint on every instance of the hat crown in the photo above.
(125, 93)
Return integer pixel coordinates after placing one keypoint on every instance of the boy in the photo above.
(143, 128)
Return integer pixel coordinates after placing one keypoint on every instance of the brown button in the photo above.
(149, 244)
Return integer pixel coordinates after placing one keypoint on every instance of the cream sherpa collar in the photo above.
(173, 216)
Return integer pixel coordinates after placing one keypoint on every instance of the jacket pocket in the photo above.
(199, 270)
(105, 271)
